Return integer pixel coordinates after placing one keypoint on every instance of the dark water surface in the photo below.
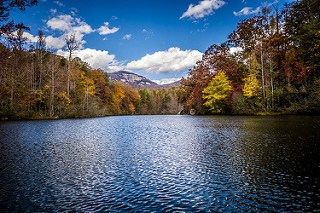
(161, 163)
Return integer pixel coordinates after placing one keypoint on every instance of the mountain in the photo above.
(137, 81)
(174, 84)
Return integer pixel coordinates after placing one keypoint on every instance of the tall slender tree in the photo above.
(72, 45)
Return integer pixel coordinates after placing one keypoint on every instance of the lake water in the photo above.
(161, 163)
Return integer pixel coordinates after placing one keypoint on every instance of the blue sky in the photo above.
(159, 39)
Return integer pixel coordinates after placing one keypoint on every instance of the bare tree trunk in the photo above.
(272, 94)
(40, 69)
(68, 77)
(262, 79)
(11, 95)
(41, 45)
(87, 97)
(71, 46)
(271, 84)
(52, 90)
(13, 76)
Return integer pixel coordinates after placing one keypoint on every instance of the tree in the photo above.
(40, 53)
(145, 104)
(6, 6)
(251, 86)
(88, 87)
(17, 40)
(117, 97)
(302, 25)
(72, 45)
(217, 92)
(193, 85)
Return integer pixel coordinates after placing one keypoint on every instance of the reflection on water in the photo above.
(161, 163)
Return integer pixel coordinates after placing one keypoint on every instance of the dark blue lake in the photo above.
(162, 164)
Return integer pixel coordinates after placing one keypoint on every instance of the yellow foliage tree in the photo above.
(87, 84)
(117, 98)
(251, 86)
(217, 92)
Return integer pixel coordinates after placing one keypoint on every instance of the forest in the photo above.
(274, 67)
(38, 84)
(269, 65)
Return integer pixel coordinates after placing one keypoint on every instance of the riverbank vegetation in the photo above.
(269, 65)
(38, 84)
(271, 62)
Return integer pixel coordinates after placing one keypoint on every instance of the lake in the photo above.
(161, 163)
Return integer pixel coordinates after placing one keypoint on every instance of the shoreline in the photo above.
(48, 118)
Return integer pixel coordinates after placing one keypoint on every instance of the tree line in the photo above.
(37, 84)
(274, 66)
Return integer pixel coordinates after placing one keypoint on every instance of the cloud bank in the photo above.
(166, 81)
(97, 59)
(67, 25)
(171, 60)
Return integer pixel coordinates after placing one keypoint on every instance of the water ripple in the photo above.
(161, 163)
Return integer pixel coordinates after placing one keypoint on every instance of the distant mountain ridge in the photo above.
(138, 81)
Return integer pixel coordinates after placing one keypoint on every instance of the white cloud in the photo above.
(81, 27)
(59, 3)
(267, 4)
(116, 66)
(250, 11)
(247, 11)
(148, 33)
(61, 22)
(204, 8)
(235, 50)
(166, 81)
(53, 11)
(96, 58)
(171, 60)
(55, 42)
(105, 30)
(127, 37)
(68, 25)
(30, 37)
(51, 42)
(74, 11)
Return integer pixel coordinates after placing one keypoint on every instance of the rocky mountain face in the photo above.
(137, 81)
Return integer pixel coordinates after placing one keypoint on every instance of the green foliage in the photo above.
(240, 104)
(217, 92)
(63, 62)
(302, 23)
(161, 101)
